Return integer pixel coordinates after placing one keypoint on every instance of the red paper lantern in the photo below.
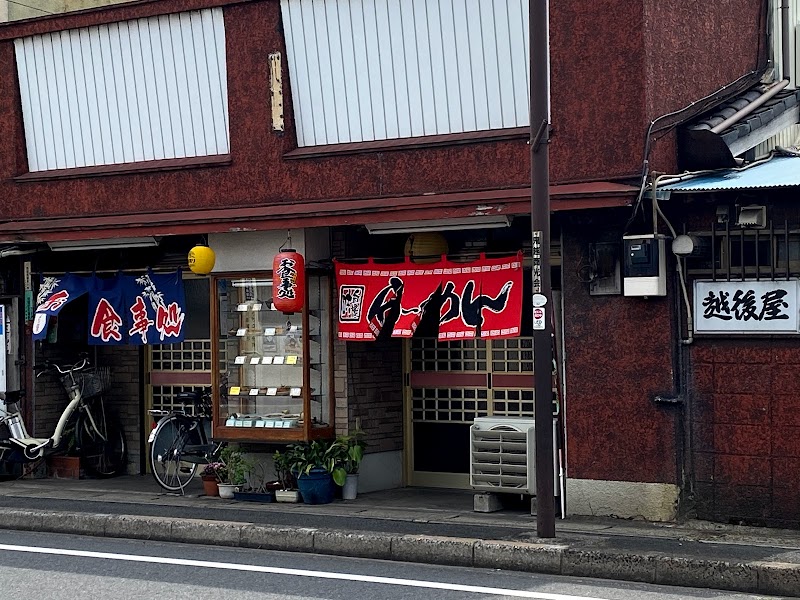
(288, 281)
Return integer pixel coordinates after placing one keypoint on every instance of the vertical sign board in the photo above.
(742, 307)
(28, 292)
(3, 351)
(539, 300)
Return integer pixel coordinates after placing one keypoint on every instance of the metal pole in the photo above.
(540, 272)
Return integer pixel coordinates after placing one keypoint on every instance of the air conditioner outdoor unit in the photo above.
(502, 455)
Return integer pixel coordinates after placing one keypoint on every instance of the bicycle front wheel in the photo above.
(172, 435)
(102, 446)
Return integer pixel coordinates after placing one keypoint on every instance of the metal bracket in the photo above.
(542, 135)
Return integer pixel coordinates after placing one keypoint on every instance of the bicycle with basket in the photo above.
(98, 437)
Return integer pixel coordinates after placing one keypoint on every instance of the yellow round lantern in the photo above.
(425, 247)
(201, 260)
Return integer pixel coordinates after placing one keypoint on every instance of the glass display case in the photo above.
(274, 382)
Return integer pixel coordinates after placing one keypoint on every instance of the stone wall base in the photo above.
(623, 499)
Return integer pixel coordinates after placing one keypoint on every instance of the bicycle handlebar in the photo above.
(51, 366)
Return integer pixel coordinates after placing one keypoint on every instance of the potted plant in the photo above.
(212, 475)
(283, 462)
(347, 452)
(237, 466)
(256, 488)
(68, 464)
(313, 468)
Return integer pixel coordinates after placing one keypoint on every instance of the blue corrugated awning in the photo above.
(783, 171)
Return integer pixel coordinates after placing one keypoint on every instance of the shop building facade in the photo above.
(264, 137)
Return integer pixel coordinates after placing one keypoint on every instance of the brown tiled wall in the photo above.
(375, 392)
(124, 398)
(745, 425)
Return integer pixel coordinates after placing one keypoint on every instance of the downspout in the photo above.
(684, 470)
(737, 116)
(785, 54)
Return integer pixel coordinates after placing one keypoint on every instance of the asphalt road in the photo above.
(56, 567)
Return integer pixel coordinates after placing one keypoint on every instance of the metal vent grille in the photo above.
(502, 455)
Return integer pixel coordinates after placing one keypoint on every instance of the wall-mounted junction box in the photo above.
(645, 266)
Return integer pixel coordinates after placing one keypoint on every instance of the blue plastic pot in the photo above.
(317, 487)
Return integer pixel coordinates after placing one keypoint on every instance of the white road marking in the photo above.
(435, 585)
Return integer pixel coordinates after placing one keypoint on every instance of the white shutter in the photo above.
(132, 91)
(363, 70)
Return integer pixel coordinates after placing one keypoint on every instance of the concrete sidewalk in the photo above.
(416, 525)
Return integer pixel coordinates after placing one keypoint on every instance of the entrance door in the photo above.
(448, 385)
(174, 368)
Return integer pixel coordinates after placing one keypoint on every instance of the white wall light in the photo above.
(493, 222)
(75, 245)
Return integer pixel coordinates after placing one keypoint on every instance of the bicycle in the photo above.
(181, 440)
(99, 439)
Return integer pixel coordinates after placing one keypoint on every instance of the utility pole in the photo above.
(542, 303)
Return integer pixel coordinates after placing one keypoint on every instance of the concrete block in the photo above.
(76, 523)
(434, 550)
(690, 572)
(199, 531)
(277, 538)
(519, 556)
(608, 565)
(364, 545)
(486, 503)
(22, 520)
(778, 579)
(140, 528)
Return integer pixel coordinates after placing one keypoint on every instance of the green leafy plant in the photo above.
(283, 468)
(345, 453)
(309, 455)
(237, 464)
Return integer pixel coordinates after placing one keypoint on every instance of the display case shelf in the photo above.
(275, 380)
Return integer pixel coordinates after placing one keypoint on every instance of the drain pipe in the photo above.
(785, 54)
(736, 117)
(657, 178)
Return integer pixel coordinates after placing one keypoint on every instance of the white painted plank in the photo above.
(346, 60)
(374, 71)
(428, 97)
(326, 78)
(364, 125)
(399, 69)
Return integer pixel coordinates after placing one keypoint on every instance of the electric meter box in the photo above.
(645, 265)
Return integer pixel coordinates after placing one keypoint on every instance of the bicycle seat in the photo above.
(187, 397)
(9, 397)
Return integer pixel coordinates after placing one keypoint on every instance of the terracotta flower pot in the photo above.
(210, 486)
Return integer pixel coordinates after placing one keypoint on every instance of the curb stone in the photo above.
(287, 539)
(137, 528)
(519, 556)
(76, 523)
(434, 550)
(690, 572)
(576, 562)
(778, 579)
(766, 577)
(361, 545)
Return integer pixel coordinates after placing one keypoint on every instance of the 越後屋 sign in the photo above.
(746, 306)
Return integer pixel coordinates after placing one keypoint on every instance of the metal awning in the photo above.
(782, 171)
(455, 205)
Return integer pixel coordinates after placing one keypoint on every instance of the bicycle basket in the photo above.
(93, 382)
